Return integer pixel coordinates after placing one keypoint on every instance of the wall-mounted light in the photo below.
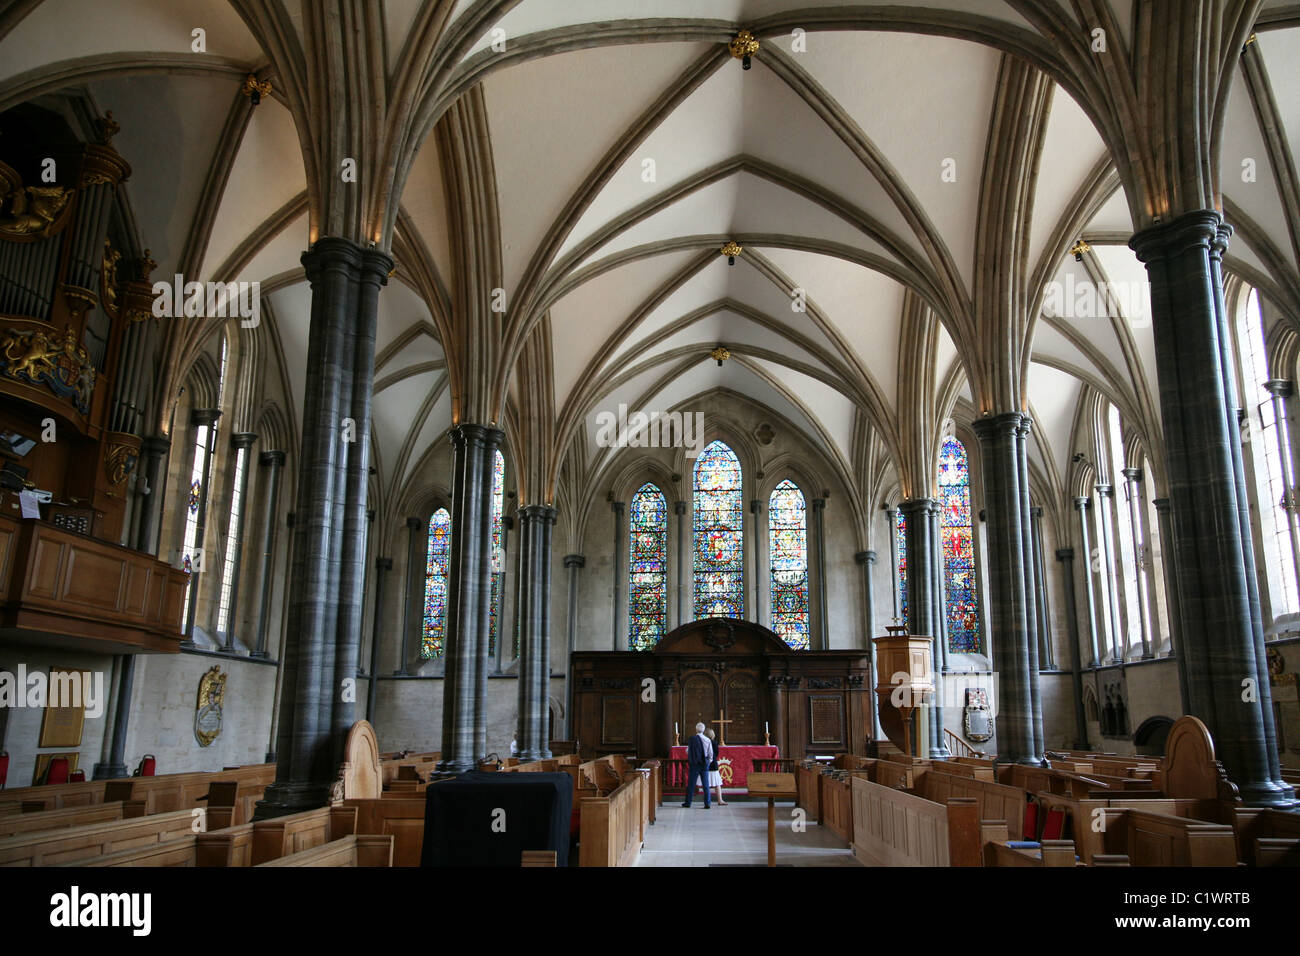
(720, 354)
(731, 250)
(743, 46)
(1078, 249)
(255, 89)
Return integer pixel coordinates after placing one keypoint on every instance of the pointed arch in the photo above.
(787, 522)
(719, 545)
(434, 629)
(647, 592)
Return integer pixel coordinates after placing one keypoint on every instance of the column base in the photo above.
(270, 757)
(457, 766)
(109, 771)
(281, 799)
(1268, 794)
(259, 655)
(939, 753)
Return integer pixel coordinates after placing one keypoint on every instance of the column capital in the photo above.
(507, 522)
(819, 504)
(484, 436)
(1035, 512)
(1280, 387)
(865, 557)
(617, 507)
(537, 513)
(155, 446)
(915, 506)
(755, 507)
(383, 564)
(414, 523)
(272, 459)
(1198, 228)
(575, 561)
(242, 439)
(1103, 490)
(1082, 503)
(204, 416)
(1026, 425)
(370, 515)
(1065, 555)
(1132, 474)
(991, 426)
(679, 507)
(1162, 505)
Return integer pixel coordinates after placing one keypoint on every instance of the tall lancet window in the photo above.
(647, 590)
(190, 559)
(900, 545)
(787, 528)
(957, 535)
(224, 624)
(498, 554)
(435, 586)
(719, 563)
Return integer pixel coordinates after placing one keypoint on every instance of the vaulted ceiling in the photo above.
(626, 147)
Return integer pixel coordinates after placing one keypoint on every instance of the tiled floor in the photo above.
(736, 834)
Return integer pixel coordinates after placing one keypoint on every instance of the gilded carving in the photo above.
(50, 359)
(108, 277)
(33, 210)
(121, 458)
(207, 712)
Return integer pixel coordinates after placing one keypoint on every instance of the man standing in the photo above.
(699, 754)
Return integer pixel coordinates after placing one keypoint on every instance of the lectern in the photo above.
(904, 680)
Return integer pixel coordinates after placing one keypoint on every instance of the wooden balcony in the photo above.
(69, 590)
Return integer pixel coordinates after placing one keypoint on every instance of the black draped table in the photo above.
(489, 819)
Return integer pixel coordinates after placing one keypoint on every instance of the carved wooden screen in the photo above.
(742, 711)
(699, 703)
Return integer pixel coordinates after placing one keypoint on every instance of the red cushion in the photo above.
(4, 767)
(147, 766)
(575, 822)
(57, 771)
(1031, 822)
(1053, 825)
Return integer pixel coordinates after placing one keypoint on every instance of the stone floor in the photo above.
(736, 835)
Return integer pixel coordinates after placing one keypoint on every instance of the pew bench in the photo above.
(70, 844)
(1267, 837)
(34, 822)
(352, 850)
(402, 819)
(895, 828)
(612, 827)
(1159, 839)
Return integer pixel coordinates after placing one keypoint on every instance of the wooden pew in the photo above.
(1267, 837)
(995, 801)
(352, 850)
(15, 823)
(173, 791)
(973, 771)
(402, 819)
(1158, 839)
(894, 828)
(281, 836)
(835, 801)
(51, 847)
(613, 826)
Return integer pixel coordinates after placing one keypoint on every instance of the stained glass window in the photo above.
(647, 592)
(788, 555)
(900, 540)
(956, 532)
(719, 562)
(435, 586)
(190, 559)
(498, 553)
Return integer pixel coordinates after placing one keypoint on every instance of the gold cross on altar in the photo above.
(722, 730)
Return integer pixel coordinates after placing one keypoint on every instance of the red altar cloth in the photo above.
(734, 763)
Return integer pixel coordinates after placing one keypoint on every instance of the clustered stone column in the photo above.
(1133, 490)
(891, 515)
(1221, 623)
(324, 615)
(1281, 390)
(819, 519)
(240, 443)
(679, 509)
(272, 463)
(573, 563)
(469, 597)
(1046, 657)
(867, 561)
(923, 604)
(153, 458)
(417, 550)
(536, 523)
(1116, 641)
(1082, 505)
(382, 567)
(1066, 557)
(761, 607)
(1010, 595)
(618, 508)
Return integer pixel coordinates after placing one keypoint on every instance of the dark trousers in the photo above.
(700, 773)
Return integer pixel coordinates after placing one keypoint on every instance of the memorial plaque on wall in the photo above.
(699, 703)
(65, 709)
(616, 728)
(826, 718)
(742, 710)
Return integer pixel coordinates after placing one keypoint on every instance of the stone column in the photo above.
(323, 626)
(867, 561)
(762, 596)
(1222, 632)
(573, 563)
(683, 598)
(200, 418)
(276, 697)
(116, 765)
(819, 520)
(1046, 654)
(668, 715)
(382, 567)
(271, 463)
(620, 539)
(1005, 506)
(891, 515)
(240, 443)
(1106, 545)
(776, 702)
(922, 603)
(1281, 390)
(469, 594)
(153, 468)
(417, 566)
(1066, 557)
(536, 523)
(1141, 550)
(937, 568)
(1031, 583)
(1169, 560)
(1082, 505)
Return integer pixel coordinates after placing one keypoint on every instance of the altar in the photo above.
(735, 764)
(776, 700)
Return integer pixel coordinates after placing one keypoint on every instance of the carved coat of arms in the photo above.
(207, 712)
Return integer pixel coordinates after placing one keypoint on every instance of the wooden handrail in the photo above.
(959, 746)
